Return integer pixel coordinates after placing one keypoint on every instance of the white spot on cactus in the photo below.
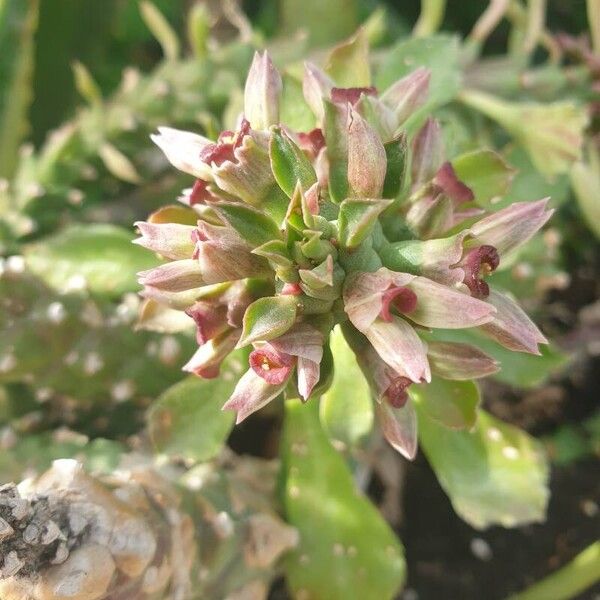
(481, 549)
(7, 363)
(510, 452)
(71, 358)
(223, 525)
(75, 196)
(15, 264)
(122, 390)
(92, 363)
(494, 434)
(56, 312)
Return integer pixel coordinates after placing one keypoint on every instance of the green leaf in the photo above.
(451, 403)
(86, 84)
(439, 53)
(346, 548)
(294, 111)
(102, 254)
(346, 409)
(494, 475)
(348, 63)
(187, 419)
(585, 179)
(118, 164)
(336, 138)
(268, 318)
(290, 165)
(161, 29)
(254, 226)
(18, 25)
(517, 368)
(397, 163)
(486, 173)
(357, 218)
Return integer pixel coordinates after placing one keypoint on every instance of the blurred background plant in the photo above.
(84, 83)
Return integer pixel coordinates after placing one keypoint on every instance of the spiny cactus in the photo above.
(142, 533)
(347, 224)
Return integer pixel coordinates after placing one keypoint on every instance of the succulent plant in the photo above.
(289, 234)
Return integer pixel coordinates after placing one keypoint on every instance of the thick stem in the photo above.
(575, 577)
(209, 533)
(431, 17)
(593, 15)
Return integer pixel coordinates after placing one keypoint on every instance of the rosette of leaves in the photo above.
(339, 256)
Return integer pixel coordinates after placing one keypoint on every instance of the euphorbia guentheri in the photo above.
(349, 224)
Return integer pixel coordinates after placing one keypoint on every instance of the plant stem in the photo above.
(582, 572)
(593, 15)
(431, 17)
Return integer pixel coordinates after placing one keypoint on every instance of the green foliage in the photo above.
(102, 255)
(268, 318)
(346, 408)
(346, 549)
(495, 474)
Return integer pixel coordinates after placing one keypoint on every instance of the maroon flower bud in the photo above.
(351, 95)
(476, 264)
(447, 180)
(210, 319)
(222, 151)
(271, 365)
(403, 299)
(291, 289)
(396, 394)
(312, 142)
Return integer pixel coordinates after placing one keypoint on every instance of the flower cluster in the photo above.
(352, 224)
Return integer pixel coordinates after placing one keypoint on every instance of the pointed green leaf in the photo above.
(494, 475)
(275, 251)
(346, 409)
(187, 420)
(86, 84)
(161, 29)
(486, 173)
(348, 64)
(268, 318)
(336, 138)
(319, 277)
(295, 113)
(517, 369)
(357, 218)
(439, 53)
(451, 403)
(397, 163)
(118, 164)
(290, 165)
(252, 225)
(346, 548)
(18, 26)
(102, 255)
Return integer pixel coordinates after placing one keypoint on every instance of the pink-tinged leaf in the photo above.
(351, 95)
(210, 319)
(174, 300)
(442, 307)
(460, 361)
(207, 360)
(408, 94)
(357, 217)
(316, 85)
(399, 426)
(176, 276)
(182, 149)
(511, 327)
(435, 259)
(367, 161)
(170, 240)
(251, 394)
(249, 176)
(363, 294)
(309, 373)
(512, 226)
(428, 152)
(262, 92)
(398, 344)
(431, 216)
(268, 318)
(447, 180)
(319, 277)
